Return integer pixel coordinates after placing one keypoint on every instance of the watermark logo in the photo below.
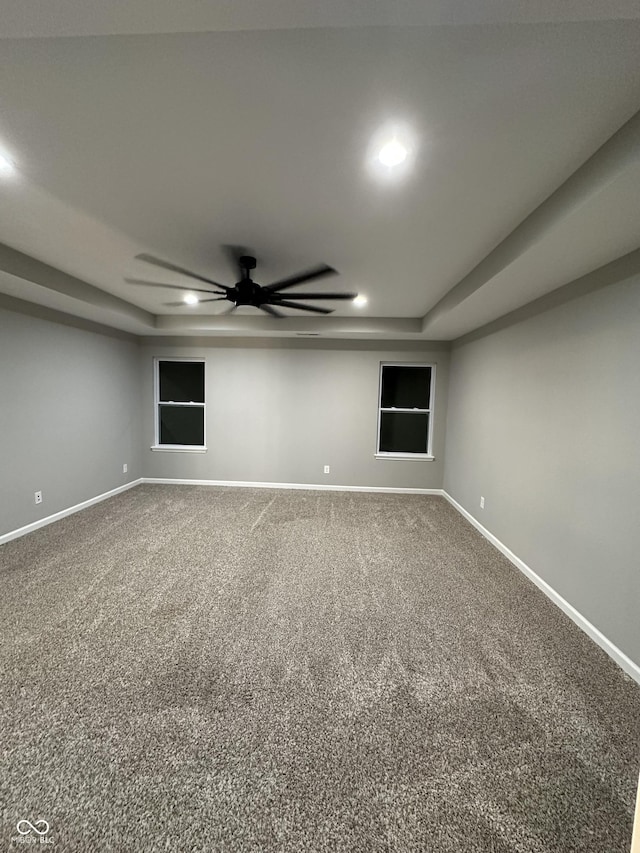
(24, 827)
(32, 833)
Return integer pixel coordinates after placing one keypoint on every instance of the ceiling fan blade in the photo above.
(166, 265)
(284, 304)
(318, 295)
(309, 275)
(170, 286)
(270, 310)
(228, 311)
(199, 302)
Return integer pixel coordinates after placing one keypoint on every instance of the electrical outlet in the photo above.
(37, 497)
(327, 469)
(125, 468)
(481, 503)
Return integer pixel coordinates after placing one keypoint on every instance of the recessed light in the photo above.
(360, 301)
(7, 166)
(191, 299)
(392, 153)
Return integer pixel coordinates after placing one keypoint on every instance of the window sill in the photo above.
(178, 448)
(417, 457)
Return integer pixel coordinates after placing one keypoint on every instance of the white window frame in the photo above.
(428, 455)
(157, 402)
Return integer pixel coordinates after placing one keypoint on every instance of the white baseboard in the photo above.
(314, 487)
(42, 522)
(597, 636)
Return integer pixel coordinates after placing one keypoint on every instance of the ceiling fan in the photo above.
(246, 291)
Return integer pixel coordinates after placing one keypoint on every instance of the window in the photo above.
(405, 410)
(179, 404)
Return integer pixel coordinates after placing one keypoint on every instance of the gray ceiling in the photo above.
(131, 136)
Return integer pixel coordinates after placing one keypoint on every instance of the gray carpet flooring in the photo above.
(193, 668)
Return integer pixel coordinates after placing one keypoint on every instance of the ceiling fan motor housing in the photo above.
(247, 292)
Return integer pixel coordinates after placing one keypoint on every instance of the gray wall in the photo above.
(280, 413)
(544, 422)
(69, 416)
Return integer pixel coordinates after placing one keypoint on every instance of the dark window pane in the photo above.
(406, 387)
(402, 432)
(181, 381)
(181, 425)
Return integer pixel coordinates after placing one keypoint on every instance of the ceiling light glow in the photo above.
(392, 153)
(191, 299)
(360, 301)
(7, 166)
